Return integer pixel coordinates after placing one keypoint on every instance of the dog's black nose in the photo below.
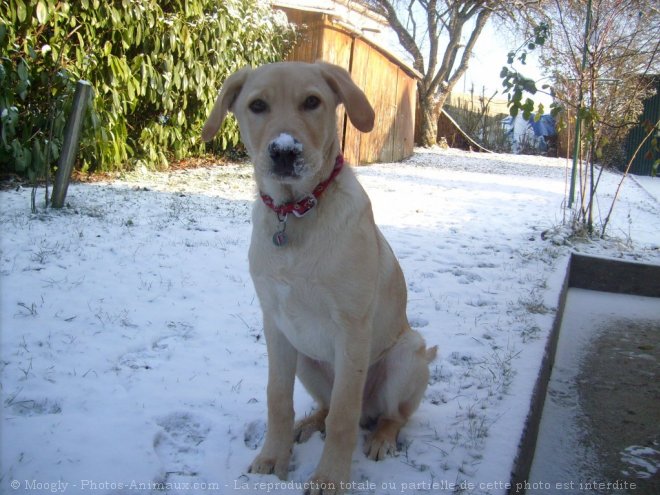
(286, 154)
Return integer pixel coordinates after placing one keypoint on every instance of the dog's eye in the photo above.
(311, 103)
(258, 106)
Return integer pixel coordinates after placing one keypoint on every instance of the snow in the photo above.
(133, 357)
(650, 184)
(562, 436)
(286, 142)
(641, 461)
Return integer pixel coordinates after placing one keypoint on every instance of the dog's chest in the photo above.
(303, 316)
(307, 286)
(302, 310)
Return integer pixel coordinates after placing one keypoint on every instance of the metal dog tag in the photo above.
(280, 238)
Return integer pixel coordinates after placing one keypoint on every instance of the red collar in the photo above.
(302, 207)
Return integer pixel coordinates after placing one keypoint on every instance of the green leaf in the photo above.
(37, 156)
(21, 11)
(23, 158)
(22, 71)
(3, 33)
(539, 112)
(529, 85)
(42, 12)
(555, 110)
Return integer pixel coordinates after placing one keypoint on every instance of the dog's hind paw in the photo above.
(378, 449)
(382, 442)
(306, 427)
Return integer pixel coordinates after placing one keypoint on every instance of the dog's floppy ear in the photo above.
(226, 98)
(357, 106)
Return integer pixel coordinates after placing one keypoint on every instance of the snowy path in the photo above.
(132, 351)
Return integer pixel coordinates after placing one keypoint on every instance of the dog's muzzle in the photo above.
(286, 156)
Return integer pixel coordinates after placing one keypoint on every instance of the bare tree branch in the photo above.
(482, 19)
(433, 35)
(411, 19)
(406, 40)
(434, 38)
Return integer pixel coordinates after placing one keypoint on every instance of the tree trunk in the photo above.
(430, 108)
(428, 128)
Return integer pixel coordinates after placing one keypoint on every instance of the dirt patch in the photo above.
(619, 393)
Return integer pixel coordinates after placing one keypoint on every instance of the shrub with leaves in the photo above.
(155, 66)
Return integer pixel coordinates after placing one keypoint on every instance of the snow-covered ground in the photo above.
(133, 359)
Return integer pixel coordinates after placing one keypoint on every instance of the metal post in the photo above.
(578, 115)
(71, 141)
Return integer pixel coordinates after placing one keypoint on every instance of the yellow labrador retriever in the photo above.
(332, 293)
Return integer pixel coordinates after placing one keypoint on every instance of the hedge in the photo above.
(155, 66)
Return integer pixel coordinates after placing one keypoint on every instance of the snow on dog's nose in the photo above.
(286, 155)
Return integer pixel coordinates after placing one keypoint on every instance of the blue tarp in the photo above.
(545, 126)
(530, 133)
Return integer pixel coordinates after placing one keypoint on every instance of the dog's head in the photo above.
(287, 116)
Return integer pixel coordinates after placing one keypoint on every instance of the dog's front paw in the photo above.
(262, 464)
(322, 485)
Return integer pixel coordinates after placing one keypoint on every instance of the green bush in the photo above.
(155, 66)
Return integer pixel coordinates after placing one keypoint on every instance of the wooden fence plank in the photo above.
(389, 86)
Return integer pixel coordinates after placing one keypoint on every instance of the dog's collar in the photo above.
(302, 207)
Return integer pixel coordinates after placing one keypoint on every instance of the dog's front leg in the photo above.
(276, 452)
(342, 423)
